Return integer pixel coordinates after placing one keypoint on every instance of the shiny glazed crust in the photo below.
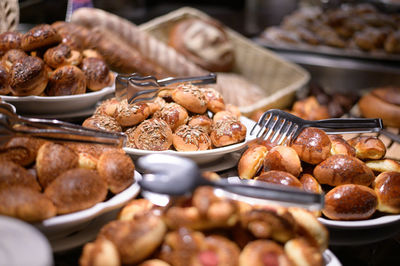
(387, 188)
(227, 132)
(66, 80)
(283, 158)
(173, 114)
(251, 161)
(38, 37)
(279, 178)
(191, 97)
(97, 73)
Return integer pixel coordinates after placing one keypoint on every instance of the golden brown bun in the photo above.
(4, 82)
(387, 188)
(222, 115)
(95, 150)
(108, 107)
(310, 184)
(76, 189)
(220, 250)
(61, 55)
(233, 109)
(372, 106)
(28, 76)
(279, 178)
(341, 146)
(201, 121)
(301, 253)
(101, 252)
(342, 169)
(130, 138)
(310, 109)
(12, 174)
(187, 138)
(10, 40)
(251, 161)
(263, 252)
(102, 122)
(39, 37)
(388, 94)
(128, 115)
(191, 97)
(135, 240)
(385, 165)
(135, 208)
(52, 160)
(350, 202)
(283, 158)
(12, 56)
(97, 73)
(117, 169)
(312, 145)
(153, 134)
(173, 114)
(368, 147)
(87, 53)
(204, 42)
(66, 80)
(21, 150)
(227, 132)
(26, 204)
(215, 102)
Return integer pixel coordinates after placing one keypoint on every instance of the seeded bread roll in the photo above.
(66, 80)
(187, 138)
(173, 114)
(215, 101)
(191, 97)
(153, 134)
(202, 121)
(131, 114)
(102, 122)
(227, 132)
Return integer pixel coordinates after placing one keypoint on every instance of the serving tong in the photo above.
(135, 87)
(166, 176)
(281, 127)
(13, 125)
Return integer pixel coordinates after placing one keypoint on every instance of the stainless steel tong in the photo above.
(135, 88)
(172, 175)
(12, 125)
(281, 127)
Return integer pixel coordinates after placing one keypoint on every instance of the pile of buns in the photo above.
(48, 61)
(185, 118)
(40, 179)
(208, 230)
(359, 183)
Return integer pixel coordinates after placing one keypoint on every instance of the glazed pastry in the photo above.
(367, 147)
(251, 161)
(204, 42)
(227, 132)
(350, 202)
(108, 107)
(153, 134)
(263, 252)
(76, 189)
(187, 138)
(283, 158)
(9, 40)
(385, 165)
(223, 115)
(12, 56)
(66, 80)
(233, 109)
(215, 102)
(102, 122)
(279, 178)
(342, 169)
(39, 37)
(128, 115)
(12, 174)
(310, 109)
(4, 83)
(173, 114)
(340, 146)
(191, 97)
(387, 189)
(300, 252)
(135, 209)
(21, 150)
(28, 76)
(100, 253)
(25, 204)
(61, 55)
(117, 169)
(202, 121)
(98, 76)
(310, 184)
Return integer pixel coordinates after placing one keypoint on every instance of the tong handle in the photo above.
(344, 125)
(210, 78)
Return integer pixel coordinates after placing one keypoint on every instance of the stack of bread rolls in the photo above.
(40, 179)
(358, 181)
(46, 61)
(204, 229)
(184, 118)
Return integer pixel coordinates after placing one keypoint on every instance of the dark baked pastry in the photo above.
(97, 73)
(39, 37)
(103, 122)
(60, 55)
(173, 114)
(66, 80)
(10, 40)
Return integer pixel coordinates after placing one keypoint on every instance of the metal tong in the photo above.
(135, 87)
(13, 125)
(172, 175)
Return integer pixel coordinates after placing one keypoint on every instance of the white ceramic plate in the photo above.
(202, 157)
(370, 223)
(62, 225)
(23, 244)
(51, 105)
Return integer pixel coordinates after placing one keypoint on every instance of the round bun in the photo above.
(387, 188)
(102, 122)
(312, 145)
(108, 107)
(76, 189)
(187, 138)
(341, 146)
(12, 174)
(310, 184)
(251, 161)
(97, 73)
(10, 40)
(66, 80)
(350, 202)
(204, 42)
(263, 252)
(222, 115)
(382, 103)
(279, 178)
(215, 102)
(117, 169)
(283, 158)
(300, 251)
(227, 132)
(26, 204)
(342, 169)
(368, 147)
(191, 97)
(12, 56)
(128, 115)
(99, 252)
(4, 83)
(219, 249)
(385, 165)
(39, 37)
(61, 55)
(153, 134)
(202, 121)
(173, 114)
(135, 208)
(28, 76)
(310, 109)
(21, 150)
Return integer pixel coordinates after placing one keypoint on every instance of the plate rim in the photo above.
(384, 220)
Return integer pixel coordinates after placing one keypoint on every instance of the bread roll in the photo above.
(202, 121)
(310, 109)
(108, 107)
(153, 134)
(387, 188)
(310, 184)
(368, 147)
(227, 132)
(350, 202)
(21, 150)
(100, 253)
(300, 252)
(12, 174)
(12, 56)
(219, 249)
(66, 80)
(263, 252)
(191, 97)
(385, 165)
(173, 114)
(4, 83)
(135, 208)
(251, 161)
(39, 37)
(128, 115)
(342, 169)
(61, 55)
(215, 101)
(222, 115)
(341, 146)
(283, 158)
(102, 122)
(187, 138)
(98, 76)
(76, 189)
(279, 178)
(9, 40)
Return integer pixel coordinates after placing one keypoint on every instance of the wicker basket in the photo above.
(9, 15)
(279, 78)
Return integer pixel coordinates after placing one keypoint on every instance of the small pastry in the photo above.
(310, 184)
(108, 107)
(4, 83)
(39, 37)
(187, 138)
(191, 97)
(263, 252)
(279, 178)
(61, 55)
(100, 253)
(367, 147)
(66, 80)
(102, 122)
(12, 56)
(215, 102)
(153, 134)
(251, 161)
(340, 146)
(222, 115)
(385, 165)
(10, 40)
(283, 158)
(21, 150)
(128, 115)
(387, 189)
(301, 252)
(201, 121)
(227, 132)
(97, 73)
(12, 174)
(173, 114)
(135, 209)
